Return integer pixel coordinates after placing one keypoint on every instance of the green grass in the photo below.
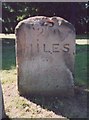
(8, 54)
(81, 59)
(9, 76)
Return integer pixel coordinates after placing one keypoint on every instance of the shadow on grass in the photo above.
(70, 107)
(8, 54)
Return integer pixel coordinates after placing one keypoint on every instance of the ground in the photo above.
(17, 106)
(41, 107)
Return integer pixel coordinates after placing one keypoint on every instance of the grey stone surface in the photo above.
(2, 111)
(45, 56)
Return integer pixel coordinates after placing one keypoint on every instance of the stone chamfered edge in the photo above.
(2, 109)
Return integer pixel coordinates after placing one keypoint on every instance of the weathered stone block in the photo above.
(45, 56)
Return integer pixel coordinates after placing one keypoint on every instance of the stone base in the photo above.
(58, 93)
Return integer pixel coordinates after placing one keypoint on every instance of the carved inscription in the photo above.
(54, 48)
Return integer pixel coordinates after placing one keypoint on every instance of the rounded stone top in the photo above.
(43, 21)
